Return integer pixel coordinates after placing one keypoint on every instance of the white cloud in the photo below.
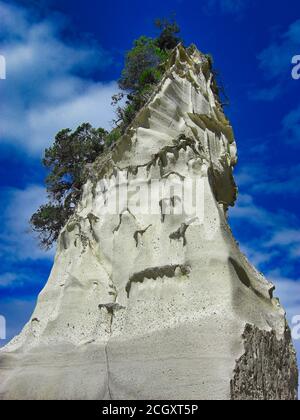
(276, 231)
(6, 279)
(291, 127)
(275, 60)
(16, 240)
(258, 256)
(11, 279)
(246, 209)
(282, 180)
(288, 290)
(288, 240)
(235, 7)
(43, 92)
(285, 237)
(276, 63)
(91, 106)
(267, 94)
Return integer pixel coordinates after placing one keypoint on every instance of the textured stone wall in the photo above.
(268, 368)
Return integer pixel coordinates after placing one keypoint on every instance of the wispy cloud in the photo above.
(287, 240)
(267, 237)
(282, 180)
(43, 91)
(247, 209)
(16, 242)
(257, 256)
(234, 7)
(288, 290)
(291, 127)
(6, 279)
(266, 94)
(24, 265)
(275, 63)
(285, 237)
(275, 60)
(17, 312)
(12, 280)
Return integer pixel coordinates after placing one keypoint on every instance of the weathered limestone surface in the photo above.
(267, 370)
(156, 306)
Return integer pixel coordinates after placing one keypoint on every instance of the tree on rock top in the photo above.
(144, 68)
(168, 38)
(66, 161)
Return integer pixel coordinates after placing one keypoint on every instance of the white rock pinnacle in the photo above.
(155, 300)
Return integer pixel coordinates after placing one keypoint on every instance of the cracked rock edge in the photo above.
(268, 368)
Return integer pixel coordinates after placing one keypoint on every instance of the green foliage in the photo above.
(66, 161)
(210, 59)
(168, 38)
(113, 137)
(71, 152)
(144, 68)
(150, 76)
(48, 221)
(144, 55)
(217, 84)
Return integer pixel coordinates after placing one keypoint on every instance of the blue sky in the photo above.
(63, 60)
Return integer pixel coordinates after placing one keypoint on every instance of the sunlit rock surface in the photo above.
(160, 304)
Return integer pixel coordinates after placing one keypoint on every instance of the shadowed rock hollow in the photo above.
(161, 304)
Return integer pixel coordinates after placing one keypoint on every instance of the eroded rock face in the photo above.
(268, 369)
(154, 304)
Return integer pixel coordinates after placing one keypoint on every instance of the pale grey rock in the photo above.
(155, 306)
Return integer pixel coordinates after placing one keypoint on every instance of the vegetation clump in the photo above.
(65, 161)
(72, 152)
(145, 65)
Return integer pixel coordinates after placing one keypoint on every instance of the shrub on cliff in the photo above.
(66, 161)
(168, 38)
(144, 68)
